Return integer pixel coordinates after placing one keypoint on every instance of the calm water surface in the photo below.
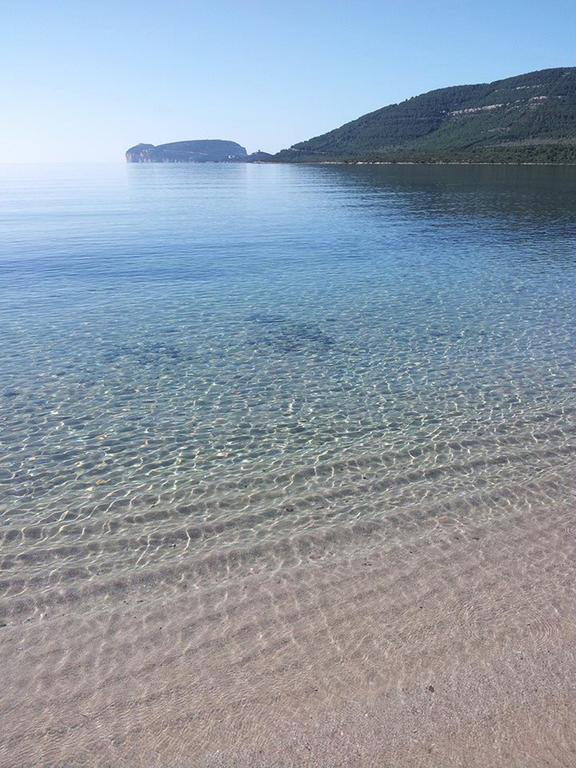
(265, 363)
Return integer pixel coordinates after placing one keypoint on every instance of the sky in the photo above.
(82, 80)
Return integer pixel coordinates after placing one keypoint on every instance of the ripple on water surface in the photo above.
(222, 373)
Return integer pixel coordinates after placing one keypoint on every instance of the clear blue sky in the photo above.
(85, 79)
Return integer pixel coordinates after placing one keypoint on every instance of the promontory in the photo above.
(529, 118)
(200, 151)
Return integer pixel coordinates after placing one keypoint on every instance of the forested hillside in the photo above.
(528, 118)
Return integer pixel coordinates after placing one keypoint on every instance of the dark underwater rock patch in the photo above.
(149, 353)
(281, 335)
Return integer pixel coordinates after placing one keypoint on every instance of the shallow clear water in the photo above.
(287, 466)
(273, 361)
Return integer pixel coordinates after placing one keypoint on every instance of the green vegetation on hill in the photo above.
(199, 151)
(528, 118)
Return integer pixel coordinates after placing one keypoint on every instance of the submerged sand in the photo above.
(453, 646)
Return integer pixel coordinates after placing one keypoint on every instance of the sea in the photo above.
(217, 378)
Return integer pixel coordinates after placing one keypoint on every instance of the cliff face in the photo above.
(202, 151)
(528, 118)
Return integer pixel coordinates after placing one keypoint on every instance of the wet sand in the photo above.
(454, 647)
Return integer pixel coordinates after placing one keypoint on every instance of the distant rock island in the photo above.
(200, 151)
(529, 118)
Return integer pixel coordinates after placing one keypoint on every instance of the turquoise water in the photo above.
(226, 367)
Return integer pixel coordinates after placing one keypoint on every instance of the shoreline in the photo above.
(411, 162)
(360, 162)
